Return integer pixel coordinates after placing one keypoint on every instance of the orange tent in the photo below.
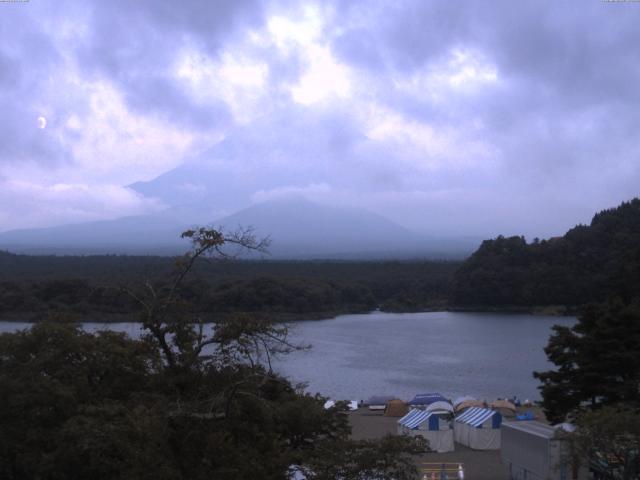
(396, 408)
(505, 407)
(469, 403)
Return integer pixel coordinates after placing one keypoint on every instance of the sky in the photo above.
(449, 117)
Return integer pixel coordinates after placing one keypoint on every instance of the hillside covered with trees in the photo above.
(94, 287)
(590, 263)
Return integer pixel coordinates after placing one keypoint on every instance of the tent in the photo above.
(351, 404)
(461, 399)
(379, 402)
(462, 406)
(478, 428)
(396, 408)
(424, 399)
(440, 407)
(505, 407)
(434, 428)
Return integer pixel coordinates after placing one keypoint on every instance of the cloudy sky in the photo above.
(449, 117)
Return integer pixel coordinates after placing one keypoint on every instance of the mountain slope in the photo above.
(157, 233)
(298, 229)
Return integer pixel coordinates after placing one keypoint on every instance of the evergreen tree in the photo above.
(598, 361)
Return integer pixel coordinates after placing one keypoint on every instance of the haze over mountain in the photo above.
(297, 227)
(449, 121)
(300, 228)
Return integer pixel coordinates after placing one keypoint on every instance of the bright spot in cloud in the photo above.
(237, 80)
(324, 78)
(304, 30)
(385, 125)
(118, 145)
(242, 72)
(302, 35)
(51, 204)
(467, 67)
(424, 145)
(42, 122)
(463, 71)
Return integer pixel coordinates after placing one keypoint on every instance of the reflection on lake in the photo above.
(355, 356)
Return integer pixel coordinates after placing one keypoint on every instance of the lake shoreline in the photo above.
(287, 317)
(483, 354)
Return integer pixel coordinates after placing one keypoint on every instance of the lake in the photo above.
(486, 355)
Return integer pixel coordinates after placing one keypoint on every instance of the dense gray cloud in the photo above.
(449, 117)
(136, 43)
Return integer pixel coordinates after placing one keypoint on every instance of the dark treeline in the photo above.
(37, 287)
(588, 264)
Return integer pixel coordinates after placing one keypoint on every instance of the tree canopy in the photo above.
(610, 437)
(186, 400)
(597, 360)
(588, 264)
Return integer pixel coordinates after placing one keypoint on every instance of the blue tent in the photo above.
(424, 399)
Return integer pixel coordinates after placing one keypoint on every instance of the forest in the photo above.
(94, 287)
(590, 263)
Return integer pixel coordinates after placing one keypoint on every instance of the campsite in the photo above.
(463, 435)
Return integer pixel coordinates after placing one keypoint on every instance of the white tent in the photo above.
(434, 428)
(329, 404)
(440, 406)
(352, 404)
(478, 428)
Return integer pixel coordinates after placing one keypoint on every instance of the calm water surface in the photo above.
(487, 355)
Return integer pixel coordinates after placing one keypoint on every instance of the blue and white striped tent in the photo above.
(477, 416)
(415, 418)
(478, 428)
(433, 427)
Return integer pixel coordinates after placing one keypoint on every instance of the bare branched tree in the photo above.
(183, 337)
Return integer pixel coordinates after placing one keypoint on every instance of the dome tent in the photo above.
(461, 399)
(440, 407)
(462, 406)
(505, 407)
(424, 399)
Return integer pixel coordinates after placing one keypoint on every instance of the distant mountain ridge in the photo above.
(298, 229)
(588, 264)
